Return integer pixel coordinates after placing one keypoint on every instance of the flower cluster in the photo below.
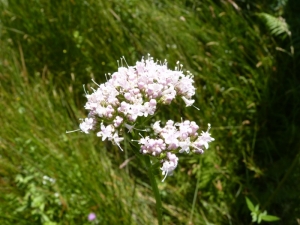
(173, 138)
(133, 92)
(136, 91)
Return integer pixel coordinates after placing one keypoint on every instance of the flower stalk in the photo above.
(155, 190)
(136, 92)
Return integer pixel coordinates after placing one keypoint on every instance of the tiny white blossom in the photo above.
(116, 140)
(106, 132)
(87, 125)
(169, 165)
(188, 102)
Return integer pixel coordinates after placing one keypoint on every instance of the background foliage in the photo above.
(245, 57)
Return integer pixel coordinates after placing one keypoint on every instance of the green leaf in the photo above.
(49, 223)
(254, 216)
(250, 205)
(259, 218)
(269, 218)
(277, 26)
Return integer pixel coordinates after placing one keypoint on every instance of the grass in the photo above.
(85, 179)
(246, 89)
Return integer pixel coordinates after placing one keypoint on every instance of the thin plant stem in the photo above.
(195, 193)
(155, 190)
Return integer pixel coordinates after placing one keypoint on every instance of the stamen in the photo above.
(141, 129)
(72, 131)
(86, 93)
(196, 107)
(125, 61)
(199, 149)
(122, 62)
(130, 128)
(95, 82)
(119, 146)
(165, 176)
(208, 128)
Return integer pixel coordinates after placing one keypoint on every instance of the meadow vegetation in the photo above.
(244, 56)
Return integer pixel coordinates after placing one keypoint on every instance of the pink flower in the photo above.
(174, 138)
(92, 216)
(138, 91)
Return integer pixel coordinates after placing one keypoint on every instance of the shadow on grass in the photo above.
(278, 143)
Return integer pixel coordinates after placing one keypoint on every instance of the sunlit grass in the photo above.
(35, 144)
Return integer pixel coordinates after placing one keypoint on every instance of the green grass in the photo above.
(246, 89)
(35, 144)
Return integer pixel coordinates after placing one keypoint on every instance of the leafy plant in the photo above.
(276, 25)
(40, 200)
(258, 215)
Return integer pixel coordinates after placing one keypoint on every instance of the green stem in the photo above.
(155, 190)
(196, 191)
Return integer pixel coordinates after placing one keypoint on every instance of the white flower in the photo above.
(138, 91)
(106, 132)
(87, 124)
(188, 102)
(149, 108)
(116, 140)
(204, 139)
(156, 127)
(185, 86)
(171, 140)
(185, 145)
(169, 165)
(117, 121)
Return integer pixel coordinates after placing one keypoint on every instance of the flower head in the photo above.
(91, 216)
(134, 92)
(174, 138)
